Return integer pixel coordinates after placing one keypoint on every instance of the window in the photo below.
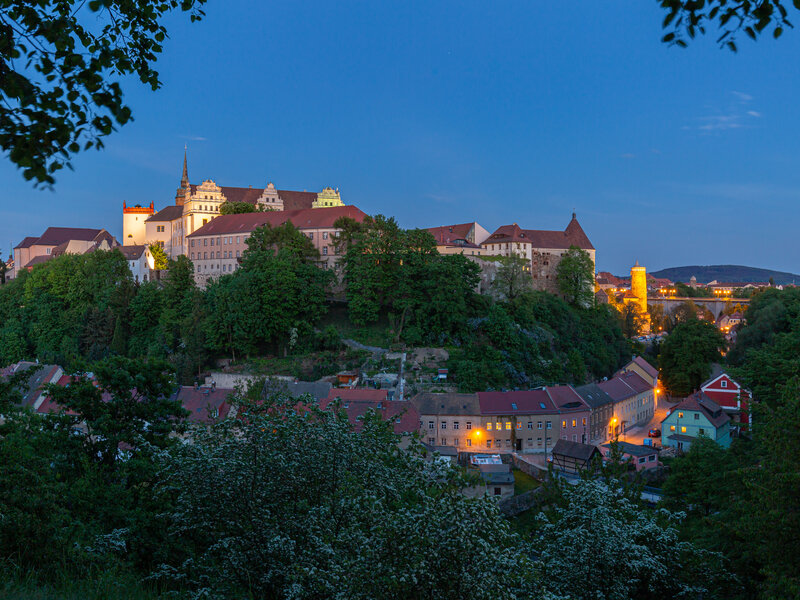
(574, 437)
(212, 241)
(469, 424)
(469, 442)
(489, 426)
(205, 255)
(488, 443)
(444, 424)
(549, 425)
(217, 253)
(574, 423)
(311, 235)
(723, 384)
(324, 235)
(508, 443)
(519, 425)
(237, 254)
(192, 243)
(696, 416)
(530, 425)
(538, 441)
(508, 424)
(701, 431)
(444, 441)
(431, 441)
(430, 424)
(563, 424)
(324, 251)
(683, 429)
(192, 255)
(497, 491)
(584, 421)
(205, 241)
(538, 424)
(530, 441)
(642, 460)
(651, 458)
(455, 441)
(513, 406)
(498, 443)
(672, 427)
(455, 424)
(680, 415)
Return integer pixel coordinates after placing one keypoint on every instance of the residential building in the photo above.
(465, 238)
(137, 257)
(37, 377)
(643, 368)
(498, 478)
(697, 415)
(217, 247)
(573, 457)
(634, 401)
(60, 240)
(356, 402)
(641, 457)
(601, 406)
(165, 229)
(543, 249)
(205, 403)
(730, 396)
(450, 420)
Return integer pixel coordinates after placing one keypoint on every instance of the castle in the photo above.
(196, 205)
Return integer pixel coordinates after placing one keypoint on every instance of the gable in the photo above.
(721, 383)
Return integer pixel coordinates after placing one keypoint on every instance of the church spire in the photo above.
(182, 195)
(185, 176)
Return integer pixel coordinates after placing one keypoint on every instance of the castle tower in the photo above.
(639, 287)
(133, 227)
(184, 192)
(326, 198)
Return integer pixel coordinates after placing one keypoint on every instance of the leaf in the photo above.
(777, 33)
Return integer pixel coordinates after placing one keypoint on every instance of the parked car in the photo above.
(654, 433)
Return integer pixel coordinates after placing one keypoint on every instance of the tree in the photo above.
(632, 320)
(290, 501)
(575, 276)
(513, 277)
(600, 544)
(160, 258)
(60, 62)
(686, 18)
(236, 208)
(687, 355)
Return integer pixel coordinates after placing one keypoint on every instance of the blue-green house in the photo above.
(695, 416)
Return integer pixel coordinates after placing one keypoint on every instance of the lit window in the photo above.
(489, 425)
(519, 425)
(672, 427)
(680, 415)
(683, 429)
(584, 421)
(508, 424)
(563, 424)
(574, 423)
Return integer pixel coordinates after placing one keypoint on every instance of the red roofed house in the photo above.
(60, 240)
(197, 205)
(730, 396)
(216, 247)
(36, 378)
(465, 238)
(639, 365)
(543, 249)
(205, 403)
(356, 402)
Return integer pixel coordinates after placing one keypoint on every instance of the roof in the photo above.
(573, 235)
(446, 404)
(574, 450)
(312, 218)
(291, 200)
(201, 402)
(357, 394)
(625, 385)
(132, 252)
(318, 389)
(594, 395)
(496, 474)
(27, 242)
(168, 213)
(699, 402)
(634, 449)
(453, 235)
(523, 402)
(403, 414)
(646, 366)
(53, 236)
(37, 260)
(39, 376)
(680, 437)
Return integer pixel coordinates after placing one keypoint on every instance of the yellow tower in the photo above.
(639, 289)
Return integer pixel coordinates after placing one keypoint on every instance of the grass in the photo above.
(104, 587)
(524, 482)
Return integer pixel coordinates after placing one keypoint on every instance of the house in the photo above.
(464, 239)
(216, 247)
(642, 457)
(347, 378)
(644, 369)
(205, 403)
(355, 403)
(441, 374)
(37, 377)
(137, 257)
(729, 395)
(542, 249)
(601, 406)
(697, 415)
(634, 401)
(728, 322)
(498, 478)
(450, 420)
(59, 240)
(573, 457)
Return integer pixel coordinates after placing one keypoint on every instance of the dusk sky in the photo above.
(449, 112)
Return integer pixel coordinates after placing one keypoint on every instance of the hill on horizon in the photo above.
(732, 273)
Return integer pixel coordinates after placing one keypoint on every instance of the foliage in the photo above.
(160, 258)
(60, 62)
(687, 291)
(290, 502)
(237, 208)
(513, 277)
(685, 19)
(631, 319)
(575, 277)
(687, 355)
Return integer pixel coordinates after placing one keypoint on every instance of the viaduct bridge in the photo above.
(715, 305)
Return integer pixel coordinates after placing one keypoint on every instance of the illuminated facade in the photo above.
(133, 223)
(327, 198)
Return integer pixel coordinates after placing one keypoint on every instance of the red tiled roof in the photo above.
(702, 403)
(131, 252)
(404, 415)
(448, 234)
(527, 402)
(168, 213)
(291, 200)
(357, 394)
(624, 386)
(566, 398)
(201, 401)
(27, 242)
(312, 218)
(53, 236)
(573, 235)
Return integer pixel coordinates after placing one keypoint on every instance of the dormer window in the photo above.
(723, 383)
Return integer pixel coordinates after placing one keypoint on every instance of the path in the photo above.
(359, 346)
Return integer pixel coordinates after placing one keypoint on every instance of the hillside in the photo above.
(731, 273)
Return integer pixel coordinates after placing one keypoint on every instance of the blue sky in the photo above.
(445, 112)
